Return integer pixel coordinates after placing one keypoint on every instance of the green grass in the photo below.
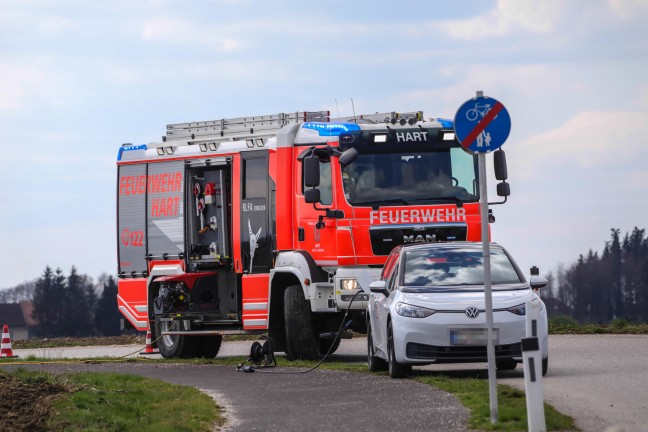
(120, 402)
(473, 394)
(566, 325)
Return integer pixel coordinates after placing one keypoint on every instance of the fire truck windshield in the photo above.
(419, 176)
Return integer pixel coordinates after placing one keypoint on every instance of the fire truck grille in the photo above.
(385, 238)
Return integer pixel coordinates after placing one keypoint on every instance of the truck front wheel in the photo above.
(301, 341)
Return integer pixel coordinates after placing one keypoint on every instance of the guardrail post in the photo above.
(532, 360)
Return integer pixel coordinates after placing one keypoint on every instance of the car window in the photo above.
(456, 266)
(393, 257)
(393, 279)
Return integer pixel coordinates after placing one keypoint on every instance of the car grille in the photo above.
(445, 354)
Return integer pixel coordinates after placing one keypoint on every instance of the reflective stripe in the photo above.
(255, 322)
(131, 318)
(255, 306)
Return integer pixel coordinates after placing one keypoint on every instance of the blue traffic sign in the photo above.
(482, 124)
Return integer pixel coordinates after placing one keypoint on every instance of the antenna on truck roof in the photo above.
(354, 114)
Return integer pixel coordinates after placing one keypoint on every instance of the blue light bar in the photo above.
(130, 148)
(331, 129)
(446, 123)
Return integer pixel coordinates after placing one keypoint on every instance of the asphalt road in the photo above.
(599, 380)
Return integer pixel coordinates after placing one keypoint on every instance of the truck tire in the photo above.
(174, 346)
(208, 346)
(301, 341)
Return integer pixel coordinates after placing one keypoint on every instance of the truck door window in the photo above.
(326, 186)
(254, 185)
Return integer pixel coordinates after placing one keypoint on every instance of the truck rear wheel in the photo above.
(208, 346)
(301, 341)
(174, 346)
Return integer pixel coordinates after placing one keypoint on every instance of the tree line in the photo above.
(599, 288)
(71, 305)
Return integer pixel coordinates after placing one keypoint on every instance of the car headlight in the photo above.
(518, 310)
(407, 310)
(349, 284)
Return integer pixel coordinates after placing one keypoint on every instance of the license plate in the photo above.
(473, 336)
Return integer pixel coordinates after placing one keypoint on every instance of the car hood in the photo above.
(459, 300)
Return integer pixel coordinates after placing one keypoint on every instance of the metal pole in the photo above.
(488, 293)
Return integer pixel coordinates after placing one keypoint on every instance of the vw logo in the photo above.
(472, 312)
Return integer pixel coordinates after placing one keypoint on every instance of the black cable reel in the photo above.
(261, 355)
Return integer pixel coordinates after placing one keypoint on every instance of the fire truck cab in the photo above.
(263, 224)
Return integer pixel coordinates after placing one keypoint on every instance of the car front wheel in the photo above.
(396, 370)
(375, 363)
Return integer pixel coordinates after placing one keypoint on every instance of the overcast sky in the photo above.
(78, 79)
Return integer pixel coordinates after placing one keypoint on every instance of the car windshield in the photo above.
(410, 175)
(455, 267)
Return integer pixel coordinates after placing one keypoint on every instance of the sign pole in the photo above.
(482, 124)
(490, 347)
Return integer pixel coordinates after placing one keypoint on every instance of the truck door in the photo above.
(256, 244)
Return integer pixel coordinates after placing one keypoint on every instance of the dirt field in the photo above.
(26, 407)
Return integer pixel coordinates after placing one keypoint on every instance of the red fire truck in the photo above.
(262, 224)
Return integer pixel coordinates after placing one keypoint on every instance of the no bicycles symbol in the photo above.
(482, 124)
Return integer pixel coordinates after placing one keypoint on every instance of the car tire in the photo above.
(545, 366)
(506, 364)
(376, 364)
(396, 370)
(301, 341)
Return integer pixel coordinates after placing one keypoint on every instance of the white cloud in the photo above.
(17, 84)
(628, 8)
(590, 139)
(170, 30)
(508, 17)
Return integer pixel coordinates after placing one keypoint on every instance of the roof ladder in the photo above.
(240, 127)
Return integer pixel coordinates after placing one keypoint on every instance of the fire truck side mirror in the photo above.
(348, 156)
(311, 172)
(312, 196)
(503, 189)
(499, 158)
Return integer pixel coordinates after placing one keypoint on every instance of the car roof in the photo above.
(447, 245)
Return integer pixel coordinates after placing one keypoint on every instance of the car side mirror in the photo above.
(538, 282)
(379, 287)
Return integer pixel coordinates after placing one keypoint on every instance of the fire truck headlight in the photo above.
(349, 284)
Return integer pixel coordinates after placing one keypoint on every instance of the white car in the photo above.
(429, 307)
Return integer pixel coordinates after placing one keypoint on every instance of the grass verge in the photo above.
(120, 402)
(473, 394)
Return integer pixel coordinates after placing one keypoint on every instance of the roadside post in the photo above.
(532, 361)
(482, 124)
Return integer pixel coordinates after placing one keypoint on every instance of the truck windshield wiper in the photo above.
(454, 199)
(377, 203)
